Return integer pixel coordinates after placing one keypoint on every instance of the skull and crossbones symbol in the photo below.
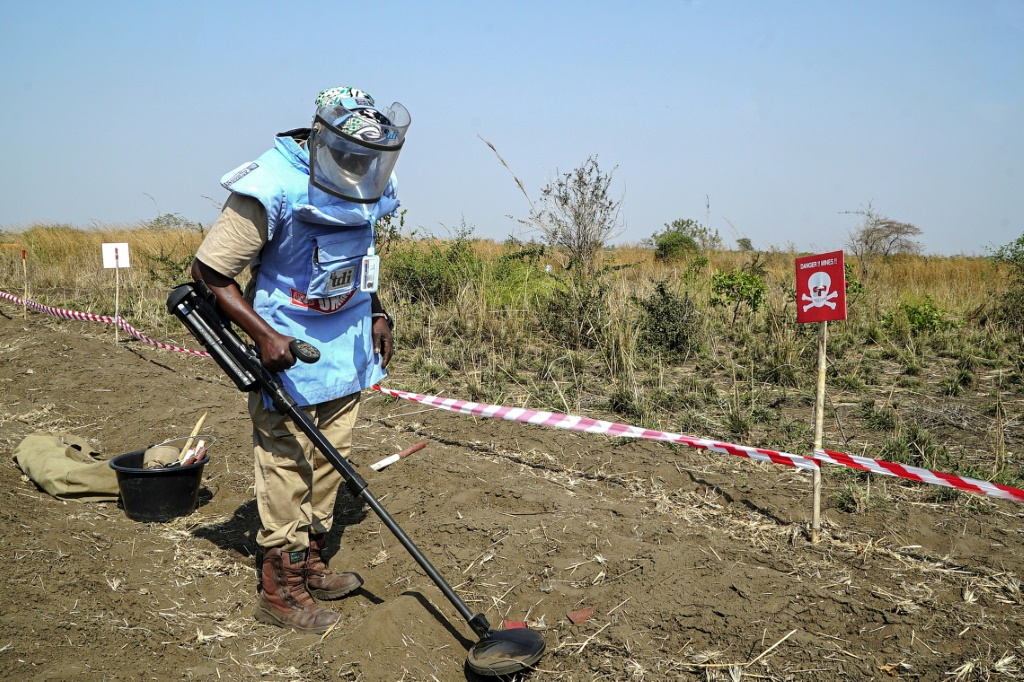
(819, 284)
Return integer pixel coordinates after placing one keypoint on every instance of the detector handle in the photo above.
(305, 351)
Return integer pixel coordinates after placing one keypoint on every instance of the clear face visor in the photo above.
(352, 152)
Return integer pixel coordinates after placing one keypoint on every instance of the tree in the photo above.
(673, 244)
(577, 213)
(745, 285)
(1009, 305)
(684, 236)
(879, 235)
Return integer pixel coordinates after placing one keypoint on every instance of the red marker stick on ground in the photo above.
(387, 461)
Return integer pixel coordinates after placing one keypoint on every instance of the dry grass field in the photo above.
(697, 565)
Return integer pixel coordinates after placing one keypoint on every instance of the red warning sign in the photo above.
(820, 288)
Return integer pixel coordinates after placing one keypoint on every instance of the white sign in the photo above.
(115, 255)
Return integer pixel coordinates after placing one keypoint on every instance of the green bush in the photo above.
(854, 287)
(516, 277)
(920, 318)
(671, 245)
(171, 266)
(669, 322)
(388, 232)
(1010, 305)
(434, 273)
(577, 310)
(740, 286)
(682, 238)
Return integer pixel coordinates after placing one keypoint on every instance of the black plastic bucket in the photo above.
(157, 494)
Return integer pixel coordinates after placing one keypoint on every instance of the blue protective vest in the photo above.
(310, 269)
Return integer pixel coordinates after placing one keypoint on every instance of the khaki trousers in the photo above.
(296, 486)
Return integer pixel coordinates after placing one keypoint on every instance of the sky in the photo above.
(775, 121)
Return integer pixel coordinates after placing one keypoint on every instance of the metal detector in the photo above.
(498, 652)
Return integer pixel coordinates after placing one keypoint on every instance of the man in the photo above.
(302, 218)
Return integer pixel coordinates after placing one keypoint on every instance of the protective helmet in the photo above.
(355, 144)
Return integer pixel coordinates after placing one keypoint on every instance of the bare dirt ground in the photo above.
(697, 566)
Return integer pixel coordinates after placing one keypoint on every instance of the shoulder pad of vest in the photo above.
(233, 176)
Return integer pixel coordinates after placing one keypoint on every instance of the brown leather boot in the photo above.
(322, 581)
(284, 600)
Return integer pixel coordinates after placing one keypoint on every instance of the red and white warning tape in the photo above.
(573, 423)
(92, 317)
(880, 466)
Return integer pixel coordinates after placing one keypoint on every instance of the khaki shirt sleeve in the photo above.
(237, 237)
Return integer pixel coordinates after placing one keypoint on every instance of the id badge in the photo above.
(371, 267)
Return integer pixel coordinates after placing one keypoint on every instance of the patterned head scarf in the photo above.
(367, 121)
(332, 96)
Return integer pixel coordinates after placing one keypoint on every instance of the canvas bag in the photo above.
(66, 467)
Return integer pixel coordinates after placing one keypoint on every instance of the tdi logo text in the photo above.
(340, 279)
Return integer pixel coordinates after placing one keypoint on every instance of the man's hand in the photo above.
(383, 342)
(274, 352)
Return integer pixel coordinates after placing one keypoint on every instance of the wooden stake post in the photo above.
(819, 423)
(821, 296)
(116, 256)
(117, 296)
(24, 277)
(24, 274)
